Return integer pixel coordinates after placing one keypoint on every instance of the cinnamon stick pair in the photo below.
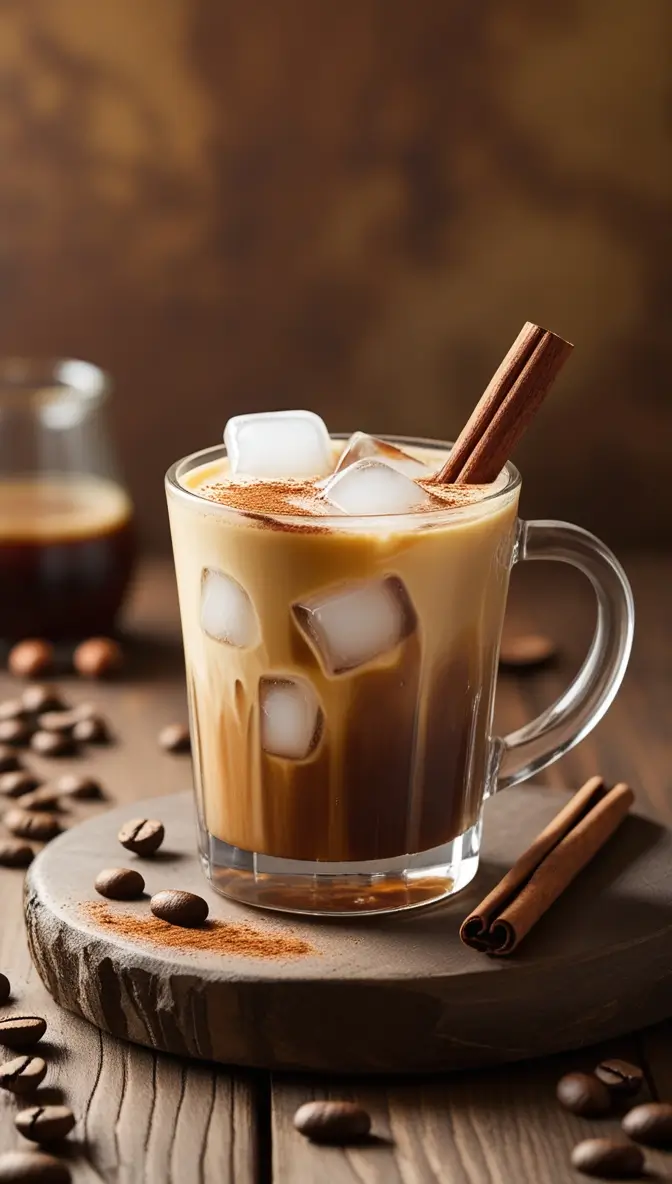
(542, 873)
(511, 399)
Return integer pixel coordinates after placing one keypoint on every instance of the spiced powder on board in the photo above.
(217, 937)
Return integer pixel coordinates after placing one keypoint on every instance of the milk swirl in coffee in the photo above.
(341, 614)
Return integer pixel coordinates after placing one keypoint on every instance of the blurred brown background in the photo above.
(350, 206)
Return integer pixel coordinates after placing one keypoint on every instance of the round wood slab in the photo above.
(379, 994)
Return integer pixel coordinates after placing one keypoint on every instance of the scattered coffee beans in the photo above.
(52, 744)
(620, 1077)
(175, 738)
(144, 836)
(43, 1124)
(527, 651)
(32, 1167)
(40, 827)
(31, 658)
(23, 1074)
(15, 732)
(56, 721)
(11, 709)
(608, 1159)
(38, 697)
(44, 798)
(650, 1123)
(9, 759)
(583, 1094)
(17, 783)
(14, 853)
(5, 989)
(21, 1031)
(98, 657)
(120, 883)
(92, 730)
(74, 785)
(179, 908)
(332, 1122)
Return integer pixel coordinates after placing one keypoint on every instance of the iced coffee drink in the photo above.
(341, 615)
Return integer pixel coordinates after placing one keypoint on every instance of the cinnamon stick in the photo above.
(542, 873)
(508, 404)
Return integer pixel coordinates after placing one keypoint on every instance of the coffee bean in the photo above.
(21, 1031)
(32, 1167)
(120, 883)
(23, 1074)
(43, 1124)
(52, 744)
(17, 783)
(30, 658)
(179, 908)
(650, 1123)
(11, 709)
(583, 1094)
(56, 721)
(142, 835)
(74, 785)
(5, 989)
(41, 827)
(15, 732)
(620, 1077)
(98, 657)
(39, 697)
(527, 651)
(9, 759)
(15, 854)
(332, 1122)
(608, 1159)
(84, 710)
(92, 730)
(44, 798)
(175, 738)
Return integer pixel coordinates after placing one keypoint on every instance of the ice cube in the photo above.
(291, 717)
(363, 447)
(355, 623)
(370, 487)
(227, 613)
(278, 444)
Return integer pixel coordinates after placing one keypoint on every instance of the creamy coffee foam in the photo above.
(305, 498)
(60, 509)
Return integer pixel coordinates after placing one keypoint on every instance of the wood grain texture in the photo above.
(492, 1127)
(351, 207)
(406, 974)
(143, 1118)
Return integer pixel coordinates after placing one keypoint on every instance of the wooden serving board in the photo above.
(394, 994)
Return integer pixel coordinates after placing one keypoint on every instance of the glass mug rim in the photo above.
(38, 380)
(434, 517)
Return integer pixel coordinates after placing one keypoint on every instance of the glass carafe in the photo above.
(66, 521)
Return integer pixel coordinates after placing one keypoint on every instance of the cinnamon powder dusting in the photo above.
(217, 937)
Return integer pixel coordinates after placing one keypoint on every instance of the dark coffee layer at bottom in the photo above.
(66, 588)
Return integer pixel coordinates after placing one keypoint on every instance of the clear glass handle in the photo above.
(523, 753)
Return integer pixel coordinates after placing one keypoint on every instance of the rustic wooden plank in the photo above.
(141, 1117)
(486, 1127)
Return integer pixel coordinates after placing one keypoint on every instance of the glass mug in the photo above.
(341, 688)
(66, 531)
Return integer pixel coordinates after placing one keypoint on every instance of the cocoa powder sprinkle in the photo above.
(305, 499)
(217, 937)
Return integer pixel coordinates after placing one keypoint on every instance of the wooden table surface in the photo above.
(145, 1117)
